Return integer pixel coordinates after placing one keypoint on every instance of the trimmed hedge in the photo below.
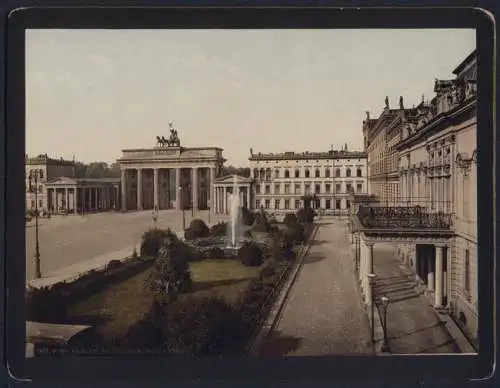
(50, 304)
(250, 255)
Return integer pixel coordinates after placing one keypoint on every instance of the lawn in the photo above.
(116, 308)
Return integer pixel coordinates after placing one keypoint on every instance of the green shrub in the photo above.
(45, 304)
(144, 334)
(219, 229)
(171, 275)
(199, 229)
(247, 216)
(250, 255)
(153, 239)
(306, 215)
(290, 220)
(202, 326)
(189, 234)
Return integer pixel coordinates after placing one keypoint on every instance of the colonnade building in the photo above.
(282, 179)
(434, 221)
(53, 184)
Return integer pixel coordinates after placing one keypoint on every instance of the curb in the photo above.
(278, 306)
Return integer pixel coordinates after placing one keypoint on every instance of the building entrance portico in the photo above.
(224, 187)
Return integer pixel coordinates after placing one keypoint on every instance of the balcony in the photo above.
(404, 218)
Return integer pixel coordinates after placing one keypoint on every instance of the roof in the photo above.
(80, 181)
(470, 58)
(332, 154)
(233, 178)
(44, 159)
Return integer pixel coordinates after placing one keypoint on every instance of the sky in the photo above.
(92, 93)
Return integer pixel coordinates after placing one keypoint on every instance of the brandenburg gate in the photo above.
(169, 176)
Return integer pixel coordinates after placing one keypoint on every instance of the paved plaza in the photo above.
(74, 239)
(324, 313)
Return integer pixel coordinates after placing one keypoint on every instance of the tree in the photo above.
(154, 239)
(198, 229)
(241, 171)
(97, 170)
(171, 275)
(290, 220)
(250, 255)
(305, 215)
(247, 216)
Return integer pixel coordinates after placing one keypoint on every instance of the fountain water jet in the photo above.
(235, 216)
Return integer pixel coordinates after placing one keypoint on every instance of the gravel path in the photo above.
(324, 314)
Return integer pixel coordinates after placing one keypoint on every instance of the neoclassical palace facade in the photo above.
(282, 179)
(435, 219)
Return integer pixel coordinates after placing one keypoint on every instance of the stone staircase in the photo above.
(396, 288)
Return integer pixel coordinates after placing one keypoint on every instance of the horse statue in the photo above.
(174, 138)
(160, 141)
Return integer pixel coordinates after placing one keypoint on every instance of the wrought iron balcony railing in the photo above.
(406, 217)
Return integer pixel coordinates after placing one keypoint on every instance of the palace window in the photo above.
(328, 204)
(268, 189)
(297, 173)
(359, 187)
(41, 173)
(338, 204)
(40, 203)
(348, 204)
(307, 189)
(327, 173)
(297, 188)
(297, 204)
(267, 203)
(307, 172)
(40, 189)
(317, 173)
(268, 173)
(287, 188)
(262, 173)
(276, 189)
(467, 271)
(465, 197)
(328, 188)
(276, 173)
(257, 203)
(338, 187)
(255, 172)
(359, 173)
(33, 203)
(287, 204)
(317, 188)
(317, 203)
(348, 172)
(337, 172)
(287, 173)
(348, 187)
(277, 204)
(257, 190)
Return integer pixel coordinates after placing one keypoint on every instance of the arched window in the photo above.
(262, 173)
(287, 173)
(337, 172)
(348, 172)
(297, 173)
(268, 173)
(327, 173)
(307, 173)
(359, 173)
(317, 173)
(276, 173)
(255, 172)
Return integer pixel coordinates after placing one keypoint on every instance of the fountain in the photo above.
(234, 225)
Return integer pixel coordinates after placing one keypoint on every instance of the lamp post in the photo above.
(183, 212)
(209, 211)
(371, 282)
(385, 306)
(33, 181)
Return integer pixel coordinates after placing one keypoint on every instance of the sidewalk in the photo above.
(413, 326)
(323, 314)
(75, 271)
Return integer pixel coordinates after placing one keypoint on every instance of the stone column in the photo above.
(212, 196)
(194, 177)
(224, 204)
(139, 189)
(54, 199)
(178, 189)
(247, 198)
(369, 269)
(438, 296)
(96, 199)
(75, 199)
(156, 189)
(430, 272)
(123, 186)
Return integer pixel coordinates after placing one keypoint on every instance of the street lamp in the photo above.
(371, 282)
(33, 181)
(385, 306)
(183, 213)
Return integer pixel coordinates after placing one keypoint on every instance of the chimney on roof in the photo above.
(401, 103)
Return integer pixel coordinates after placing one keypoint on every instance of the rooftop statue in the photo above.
(386, 102)
(172, 141)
